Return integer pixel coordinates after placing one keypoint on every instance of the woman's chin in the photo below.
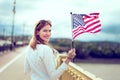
(46, 42)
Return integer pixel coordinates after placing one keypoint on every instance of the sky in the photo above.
(29, 12)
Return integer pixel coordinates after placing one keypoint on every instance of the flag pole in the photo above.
(72, 42)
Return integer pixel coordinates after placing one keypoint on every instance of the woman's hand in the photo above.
(71, 53)
(70, 56)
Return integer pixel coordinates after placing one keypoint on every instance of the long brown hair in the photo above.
(35, 38)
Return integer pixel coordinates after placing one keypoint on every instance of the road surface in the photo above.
(12, 67)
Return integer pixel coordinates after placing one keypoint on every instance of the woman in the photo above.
(40, 58)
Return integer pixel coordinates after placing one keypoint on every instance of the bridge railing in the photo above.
(75, 72)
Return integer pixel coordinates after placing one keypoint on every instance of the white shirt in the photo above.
(41, 63)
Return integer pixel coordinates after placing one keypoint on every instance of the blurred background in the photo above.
(18, 18)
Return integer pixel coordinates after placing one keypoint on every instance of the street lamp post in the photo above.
(12, 33)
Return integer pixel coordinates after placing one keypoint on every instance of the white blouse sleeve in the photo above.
(27, 68)
(49, 62)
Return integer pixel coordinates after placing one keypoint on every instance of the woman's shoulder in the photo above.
(43, 46)
(28, 50)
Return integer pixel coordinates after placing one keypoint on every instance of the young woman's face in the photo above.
(45, 33)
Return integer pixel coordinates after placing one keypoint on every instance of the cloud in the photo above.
(28, 12)
(112, 29)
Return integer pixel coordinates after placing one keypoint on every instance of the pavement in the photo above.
(8, 55)
(12, 65)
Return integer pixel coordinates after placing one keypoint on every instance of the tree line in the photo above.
(85, 50)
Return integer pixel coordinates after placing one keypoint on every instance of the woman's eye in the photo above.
(49, 30)
(45, 30)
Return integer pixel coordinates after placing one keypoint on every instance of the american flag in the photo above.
(83, 23)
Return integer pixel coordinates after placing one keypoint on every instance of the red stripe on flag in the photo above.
(94, 13)
(92, 24)
(75, 35)
(94, 28)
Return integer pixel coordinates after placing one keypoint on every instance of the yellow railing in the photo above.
(75, 72)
